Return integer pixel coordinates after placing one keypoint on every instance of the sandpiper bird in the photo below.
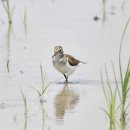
(64, 63)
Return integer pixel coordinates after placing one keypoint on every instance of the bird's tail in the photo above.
(83, 62)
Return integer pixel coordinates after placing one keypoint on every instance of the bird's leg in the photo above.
(66, 78)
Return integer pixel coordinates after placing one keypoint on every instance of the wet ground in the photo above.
(79, 28)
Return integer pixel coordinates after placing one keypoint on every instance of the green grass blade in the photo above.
(104, 91)
(24, 100)
(125, 88)
(48, 86)
(12, 12)
(106, 112)
(42, 77)
(108, 83)
(117, 87)
(127, 76)
(121, 75)
(127, 107)
(5, 7)
(37, 91)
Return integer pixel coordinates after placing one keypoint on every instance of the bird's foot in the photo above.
(66, 82)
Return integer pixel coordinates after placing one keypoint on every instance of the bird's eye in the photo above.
(59, 49)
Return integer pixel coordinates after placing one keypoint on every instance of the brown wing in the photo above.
(72, 61)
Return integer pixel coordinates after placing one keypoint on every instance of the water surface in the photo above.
(68, 23)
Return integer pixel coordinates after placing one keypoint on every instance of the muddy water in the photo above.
(23, 48)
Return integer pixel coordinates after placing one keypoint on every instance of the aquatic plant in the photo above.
(9, 11)
(104, 9)
(25, 19)
(110, 97)
(122, 89)
(8, 41)
(125, 89)
(25, 108)
(24, 101)
(43, 86)
(43, 112)
(123, 6)
(125, 86)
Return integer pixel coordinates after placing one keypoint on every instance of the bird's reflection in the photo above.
(65, 100)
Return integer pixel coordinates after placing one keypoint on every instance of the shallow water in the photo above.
(68, 23)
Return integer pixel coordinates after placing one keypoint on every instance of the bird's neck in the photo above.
(58, 56)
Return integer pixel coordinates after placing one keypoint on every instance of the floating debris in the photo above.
(96, 18)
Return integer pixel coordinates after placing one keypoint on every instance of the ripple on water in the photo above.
(82, 82)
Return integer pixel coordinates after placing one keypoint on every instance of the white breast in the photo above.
(59, 66)
(64, 68)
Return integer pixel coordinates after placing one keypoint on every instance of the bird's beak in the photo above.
(54, 54)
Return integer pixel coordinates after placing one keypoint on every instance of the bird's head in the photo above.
(57, 49)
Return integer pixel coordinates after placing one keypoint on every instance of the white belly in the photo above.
(64, 68)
